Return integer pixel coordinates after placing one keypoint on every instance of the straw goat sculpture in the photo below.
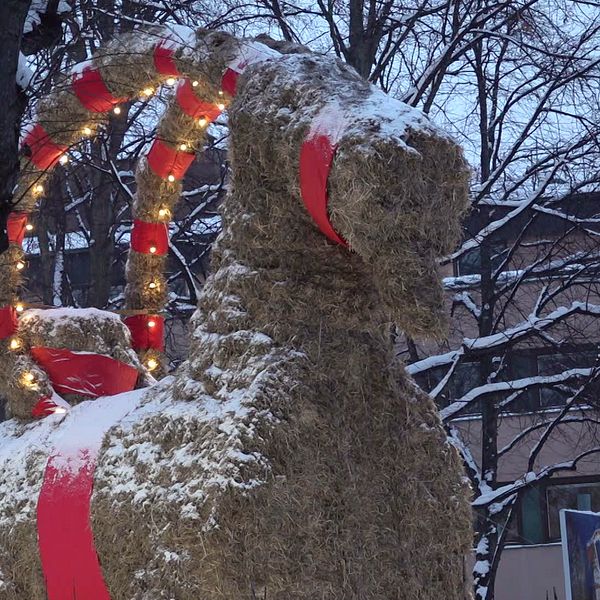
(290, 457)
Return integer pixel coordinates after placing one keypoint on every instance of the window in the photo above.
(464, 378)
(530, 364)
(520, 366)
(550, 364)
(536, 519)
(470, 262)
(578, 496)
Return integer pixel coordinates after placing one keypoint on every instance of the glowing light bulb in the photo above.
(151, 324)
(163, 212)
(28, 377)
(152, 364)
(38, 189)
(183, 147)
(63, 160)
(220, 92)
(171, 178)
(87, 131)
(117, 110)
(153, 249)
(15, 343)
(170, 81)
(153, 285)
(29, 227)
(202, 122)
(148, 91)
(195, 83)
(221, 106)
(19, 307)
(20, 265)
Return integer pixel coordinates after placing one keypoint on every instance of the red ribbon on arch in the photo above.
(146, 235)
(85, 373)
(164, 160)
(16, 226)
(147, 332)
(8, 322)
(164, 62)
(91, 91)
(44, 153)
(192, 106)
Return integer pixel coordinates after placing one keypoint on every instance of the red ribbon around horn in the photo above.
(84, 373)
(229, 82)
(147, 332)
(164, 60)
(43, 152)
(16, 226)
(147, 236)
(8, 322)
(91, 91)
(164, 160)
(192, 106)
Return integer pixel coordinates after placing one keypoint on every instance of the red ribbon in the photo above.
(164, 62)
(229, 81)
(164, 160)
(15, 226)
(86, 374)
(143, 335)
(192, 106)
(316, 158)
(44, 407)
(8, 322)
(65, 538)
(44, 152)
(146, 235)
(91, 91)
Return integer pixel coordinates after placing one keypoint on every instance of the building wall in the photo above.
(531, 573)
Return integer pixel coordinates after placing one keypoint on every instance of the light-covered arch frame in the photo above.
(203, 68)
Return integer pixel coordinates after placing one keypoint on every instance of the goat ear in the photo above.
(399, 206)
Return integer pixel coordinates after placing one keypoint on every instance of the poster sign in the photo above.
(580, 534)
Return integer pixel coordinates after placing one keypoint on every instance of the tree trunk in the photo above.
(13, 101)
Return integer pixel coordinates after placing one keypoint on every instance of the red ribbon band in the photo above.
(91, 91)
(164, 62)
(87, 374)
(8, 322)
(229, 82)
(192, 106)
(16, 226)
(65, 536)
(44, 407)
(145, 236)
(316, 158)
(44, 153)
(147, 332)
(164, 160)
